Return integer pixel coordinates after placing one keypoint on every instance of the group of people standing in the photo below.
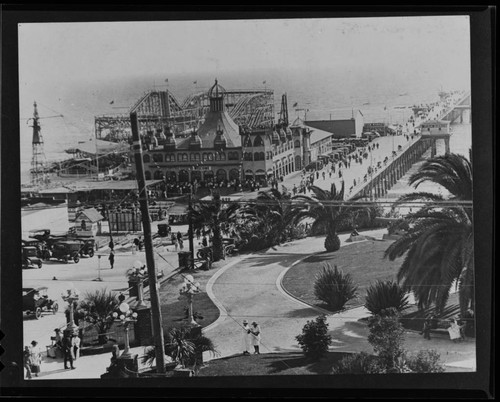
(66, 346)
(251, 337)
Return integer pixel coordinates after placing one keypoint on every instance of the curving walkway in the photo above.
(250, 288)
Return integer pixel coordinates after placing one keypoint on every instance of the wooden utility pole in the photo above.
(190, 232)
(148, 245)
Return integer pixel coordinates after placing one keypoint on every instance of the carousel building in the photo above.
(221, 151)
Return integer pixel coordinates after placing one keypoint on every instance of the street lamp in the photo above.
(189, 289)
(125, 317)
(71, 296)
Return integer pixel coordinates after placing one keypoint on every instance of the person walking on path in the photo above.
(111, 244)
(26, 361)
(111, 258)
(255, 333)
(35, 358)
(247, 341)
(68, 351)
(426, 330)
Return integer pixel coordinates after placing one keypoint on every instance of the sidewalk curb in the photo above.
(222, 311)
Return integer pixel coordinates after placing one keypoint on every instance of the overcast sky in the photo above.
(62, 53)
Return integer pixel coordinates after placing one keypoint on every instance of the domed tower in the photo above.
(218, 119)
(216, 96)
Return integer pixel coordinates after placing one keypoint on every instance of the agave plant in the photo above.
(385, 294)
(334, 287)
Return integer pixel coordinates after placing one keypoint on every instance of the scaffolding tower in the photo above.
(38, 160)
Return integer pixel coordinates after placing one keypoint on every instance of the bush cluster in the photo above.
(314, 340)
(334, 287)
(384, 295)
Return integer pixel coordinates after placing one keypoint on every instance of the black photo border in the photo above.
(479, 384)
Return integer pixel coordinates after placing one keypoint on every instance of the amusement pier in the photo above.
(221, 142)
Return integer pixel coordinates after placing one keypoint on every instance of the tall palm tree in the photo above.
(327, 209)
(274, 212)
(439, 242)
(211, 214)
(451, 171)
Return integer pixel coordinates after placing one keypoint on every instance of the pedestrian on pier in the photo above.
(111, 244)
(323, 174)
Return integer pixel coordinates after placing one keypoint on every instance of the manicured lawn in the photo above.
(173, 305)
(363, 260)
(270, 364)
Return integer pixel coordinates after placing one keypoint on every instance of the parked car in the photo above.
(36, 302)
(87, 245)
(66, 250)
(30, 257)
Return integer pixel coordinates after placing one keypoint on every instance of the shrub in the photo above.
(334, 287)
(425, 361)
(387, 336)
(384, 295)
(97, 307)
(359, 363)
(314, 340)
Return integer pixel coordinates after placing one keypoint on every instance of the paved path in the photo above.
(250, 289)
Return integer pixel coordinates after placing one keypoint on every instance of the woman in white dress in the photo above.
(255, 333)
(454, 331)
(247, 341)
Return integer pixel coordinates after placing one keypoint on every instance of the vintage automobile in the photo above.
(87, 245)
(30, 257)
(66, 250)
(163, 229)
(39, 234)
(36, 302)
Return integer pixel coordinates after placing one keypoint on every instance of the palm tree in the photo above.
(451, 171)
(182, 347)
(97, 308)
(439, 242)
(273, 212)
(212, 214)
(327, 209)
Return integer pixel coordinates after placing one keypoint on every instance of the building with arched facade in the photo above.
(221, 151)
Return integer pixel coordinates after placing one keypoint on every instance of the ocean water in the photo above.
(326, 94)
